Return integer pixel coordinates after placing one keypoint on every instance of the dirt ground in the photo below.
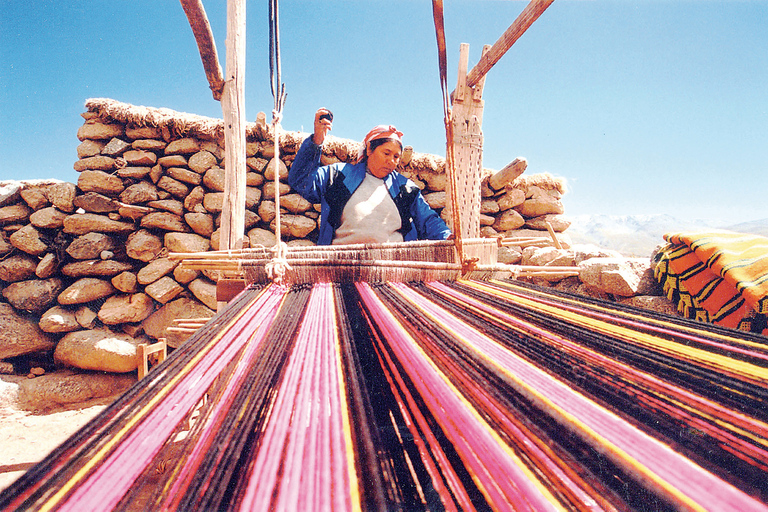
(27, 437)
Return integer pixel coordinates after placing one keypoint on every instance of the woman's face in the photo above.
(384, 159)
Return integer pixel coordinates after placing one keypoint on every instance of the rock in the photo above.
(135, 173)
(90, 245)
(172, 161)
(125, 282)
(48, 218)
(508, 174)
(201, 223)
(100, 182)
(5, 245)
(35, 295)
(205, 291)
(583, 252)
(214, 202)
(100, 350)
(184, 175)
(202, 161)
(625, 277)
(164, 289)
(149, 144)
(90, 148)
(20, 334)
(194, 199)
(29, 240)
(435, 200)
(538, 206)
(267, 211)
(166, 221)
(295, 203)
(214, 178)
(184, 275)
(551, 256)
(98, 130)
(85, 290)
(59, 319)
(132, 308)
(168, 205)
(269, 189)
(252, 197)
(157, 323)
(183, 146)
(82, 223)
(269, 170)
(508, 220)
(510, 255)
(260, 237)
(115, 147)
(297, 226)
(62, 196)
(95, 163)
(96, 203)
(155, 269)
(66, 387)
(142, 132)
(140, 158)
(47, 266)
(17, 267)
(138, 193)
(186, 242)
(559, 223)
(10, 192)
(35, 198)
(103, 268)
(143, 245)
(489, 207)
(15, 213)
(86, 317)
(173, 187)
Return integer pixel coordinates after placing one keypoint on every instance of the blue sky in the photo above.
(653, 106)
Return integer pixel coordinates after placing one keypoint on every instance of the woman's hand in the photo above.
(323, 124)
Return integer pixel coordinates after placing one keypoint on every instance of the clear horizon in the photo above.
(654, 106)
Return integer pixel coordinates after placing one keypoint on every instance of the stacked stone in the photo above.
(87, 262)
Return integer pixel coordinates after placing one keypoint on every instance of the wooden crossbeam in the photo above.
(530, 14)
(201, 28)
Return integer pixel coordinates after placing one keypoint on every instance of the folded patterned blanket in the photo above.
(719, 277)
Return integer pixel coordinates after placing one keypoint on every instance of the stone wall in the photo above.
(86, 262)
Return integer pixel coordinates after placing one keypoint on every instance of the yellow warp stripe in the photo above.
(655, 321)
(114, 440)
(507, 449)
(713, 361)
(568, 420)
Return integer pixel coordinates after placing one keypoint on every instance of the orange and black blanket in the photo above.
(719, 277)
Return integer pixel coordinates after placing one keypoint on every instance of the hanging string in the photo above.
(279, 265)
(450, 165)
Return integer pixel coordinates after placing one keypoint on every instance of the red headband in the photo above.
(383, 131)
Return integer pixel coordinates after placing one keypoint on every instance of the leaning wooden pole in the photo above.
(232, 229)
(201, 29)
(530, 14)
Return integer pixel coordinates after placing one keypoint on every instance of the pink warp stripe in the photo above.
(688, 478)
(302, 464)
(502, 481)
(104, 488)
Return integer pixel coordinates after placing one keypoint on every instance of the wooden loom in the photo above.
(467, 255)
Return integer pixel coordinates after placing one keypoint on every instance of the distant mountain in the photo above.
(638, 235)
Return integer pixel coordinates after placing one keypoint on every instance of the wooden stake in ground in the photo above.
(233, 106)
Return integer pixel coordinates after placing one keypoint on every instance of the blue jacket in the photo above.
(333, 185)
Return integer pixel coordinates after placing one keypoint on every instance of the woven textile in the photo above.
(718, 277)
(462, 395)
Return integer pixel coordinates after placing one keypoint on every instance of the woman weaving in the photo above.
(368, 201)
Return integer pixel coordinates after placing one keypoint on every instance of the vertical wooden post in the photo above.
(467, 116)
(232, 229)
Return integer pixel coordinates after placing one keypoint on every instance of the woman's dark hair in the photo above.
(378, 142)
